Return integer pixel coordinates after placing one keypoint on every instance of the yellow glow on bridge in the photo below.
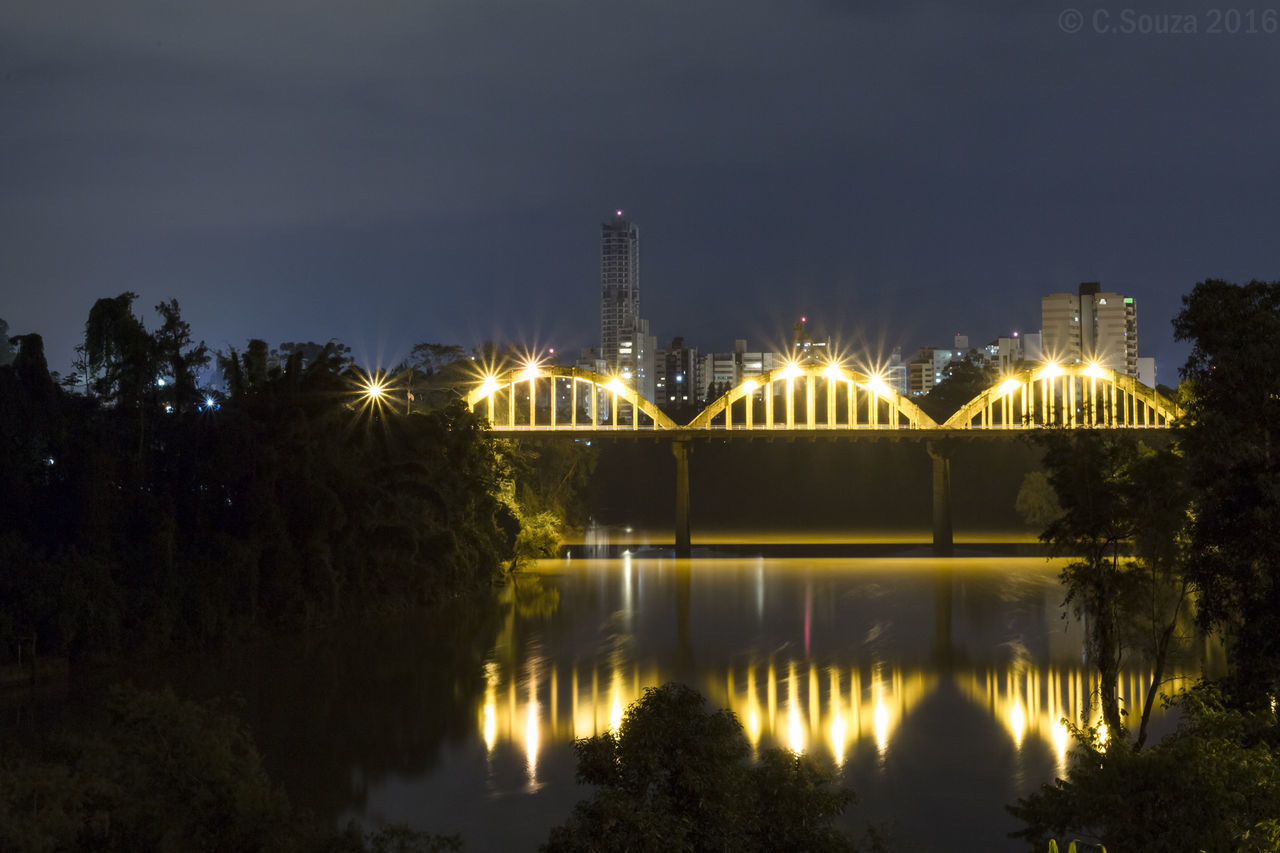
(1009, 386)
(877, 384)
(549, 397)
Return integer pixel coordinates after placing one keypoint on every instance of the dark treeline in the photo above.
(1161, 539)
(139, 511)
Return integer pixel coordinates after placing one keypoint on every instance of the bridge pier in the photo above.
(943, 545)
(684, 544)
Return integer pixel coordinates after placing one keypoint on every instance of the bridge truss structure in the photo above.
(825, 397)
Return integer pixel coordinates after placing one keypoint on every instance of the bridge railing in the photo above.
(821, 397)
(812, 397)
(539, 398)
(1072, 397)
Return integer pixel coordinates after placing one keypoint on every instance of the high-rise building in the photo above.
(678, 379)
(1004, 353)
(1091, 326)
(722, 371)
(929, 368)
(637, 349)
(896, 374)
(805, 348)
(619, 286)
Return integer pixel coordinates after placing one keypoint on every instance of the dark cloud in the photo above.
(404, 171)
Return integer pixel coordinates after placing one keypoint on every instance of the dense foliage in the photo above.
(1233, 450)
(1202, 520)
(963, 379)
(1213, 785)
(677, 778)
(149, 513)
(167, 775)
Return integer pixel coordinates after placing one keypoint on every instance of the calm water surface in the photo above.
(934, 687)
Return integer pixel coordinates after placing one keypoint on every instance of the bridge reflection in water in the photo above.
(935, 686)
(829, 709)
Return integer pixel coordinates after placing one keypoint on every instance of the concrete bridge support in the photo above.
(942, 538)
(684, 539)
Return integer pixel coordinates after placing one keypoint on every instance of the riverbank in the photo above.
(616, 540)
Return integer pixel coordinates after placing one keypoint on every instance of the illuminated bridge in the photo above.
(815, 400)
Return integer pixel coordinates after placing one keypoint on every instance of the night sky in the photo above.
(400, 171)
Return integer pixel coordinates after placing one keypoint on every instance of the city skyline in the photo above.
(387, 176)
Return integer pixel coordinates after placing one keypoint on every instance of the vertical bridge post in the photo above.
(942, 538)
(680, 448)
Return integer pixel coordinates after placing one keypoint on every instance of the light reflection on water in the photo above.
(869, 664)
(825, 709)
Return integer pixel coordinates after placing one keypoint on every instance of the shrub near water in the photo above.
(677, 778)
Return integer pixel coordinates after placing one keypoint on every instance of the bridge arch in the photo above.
(851, 400)
(1074, 396)
(574, 398)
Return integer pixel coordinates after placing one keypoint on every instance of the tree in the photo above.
(1157, 502)
(677, 778)
(430, 359)
(1213, 785)
(178, 357)
(6, 349)
(1084, 469)
(1232, 446)
(1120, 510)
(435, 373)
(168, 774)
(963, 379)
(119, 351)
(1037, 502)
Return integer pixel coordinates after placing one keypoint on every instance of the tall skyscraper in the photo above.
(1091, 326)
(619, 285)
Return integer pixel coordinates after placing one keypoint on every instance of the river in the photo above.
(934, 687)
